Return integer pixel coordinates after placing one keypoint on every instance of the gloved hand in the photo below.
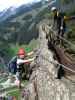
(61, 27)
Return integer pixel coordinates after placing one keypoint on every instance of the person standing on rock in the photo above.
(59, 21)
(21, 64)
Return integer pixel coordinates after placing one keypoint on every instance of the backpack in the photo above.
(12, 65)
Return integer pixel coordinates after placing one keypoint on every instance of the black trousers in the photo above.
(60, 32)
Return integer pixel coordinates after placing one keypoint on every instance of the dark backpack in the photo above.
(12, 65)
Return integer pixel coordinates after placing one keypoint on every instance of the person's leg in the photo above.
(58, 34)
(20, 79)
(62, 35)
(19, 84)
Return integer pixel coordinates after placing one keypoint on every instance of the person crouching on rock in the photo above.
(21, 62)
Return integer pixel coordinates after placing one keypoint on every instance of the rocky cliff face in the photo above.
(43, 85)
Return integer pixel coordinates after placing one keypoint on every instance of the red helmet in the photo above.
(21, 51)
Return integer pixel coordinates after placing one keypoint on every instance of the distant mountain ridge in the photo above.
(19, 24)
(15, 11)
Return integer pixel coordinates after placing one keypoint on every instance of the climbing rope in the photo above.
(60, 37)
(53, 62)
(56, 63)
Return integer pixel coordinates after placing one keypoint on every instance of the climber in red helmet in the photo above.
(21, 62)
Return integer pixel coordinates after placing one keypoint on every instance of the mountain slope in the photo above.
(20, 29)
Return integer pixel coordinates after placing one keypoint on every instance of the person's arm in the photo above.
(20, 61)
(30, 53)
